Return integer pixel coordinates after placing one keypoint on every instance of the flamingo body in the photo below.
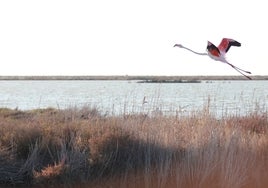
(218, 53)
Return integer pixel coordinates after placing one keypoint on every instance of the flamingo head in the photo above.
(178, 45)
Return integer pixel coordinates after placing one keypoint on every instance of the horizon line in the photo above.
(131, 77)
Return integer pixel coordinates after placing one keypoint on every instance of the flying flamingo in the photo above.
(218, 53)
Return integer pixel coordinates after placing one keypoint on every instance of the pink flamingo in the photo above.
(218, 53)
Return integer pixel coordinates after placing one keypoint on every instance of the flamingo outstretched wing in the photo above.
(213, 50)
(227, 43)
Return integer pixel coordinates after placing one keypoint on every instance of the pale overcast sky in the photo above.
(123, 37)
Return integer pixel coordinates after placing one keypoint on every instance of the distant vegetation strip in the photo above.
(126, 77)
(170, 81)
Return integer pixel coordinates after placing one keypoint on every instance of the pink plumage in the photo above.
(227, 43)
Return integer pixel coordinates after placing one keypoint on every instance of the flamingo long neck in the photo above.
(194, 51)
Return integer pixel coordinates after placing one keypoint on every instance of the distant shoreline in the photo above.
(146, 78)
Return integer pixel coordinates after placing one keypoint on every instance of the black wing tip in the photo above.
(235, 43)
(232, 43)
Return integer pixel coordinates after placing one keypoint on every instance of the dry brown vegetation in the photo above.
(82, 148)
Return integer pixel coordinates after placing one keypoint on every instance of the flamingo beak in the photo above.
(177, 45)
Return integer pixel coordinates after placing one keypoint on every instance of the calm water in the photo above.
(117, 97)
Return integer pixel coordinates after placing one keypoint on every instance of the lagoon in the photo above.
(130, 96)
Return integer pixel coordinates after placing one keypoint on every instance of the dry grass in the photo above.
(82, 148)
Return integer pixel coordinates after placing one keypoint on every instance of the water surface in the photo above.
(117, 97)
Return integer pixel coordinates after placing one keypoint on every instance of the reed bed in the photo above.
(80, 147)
